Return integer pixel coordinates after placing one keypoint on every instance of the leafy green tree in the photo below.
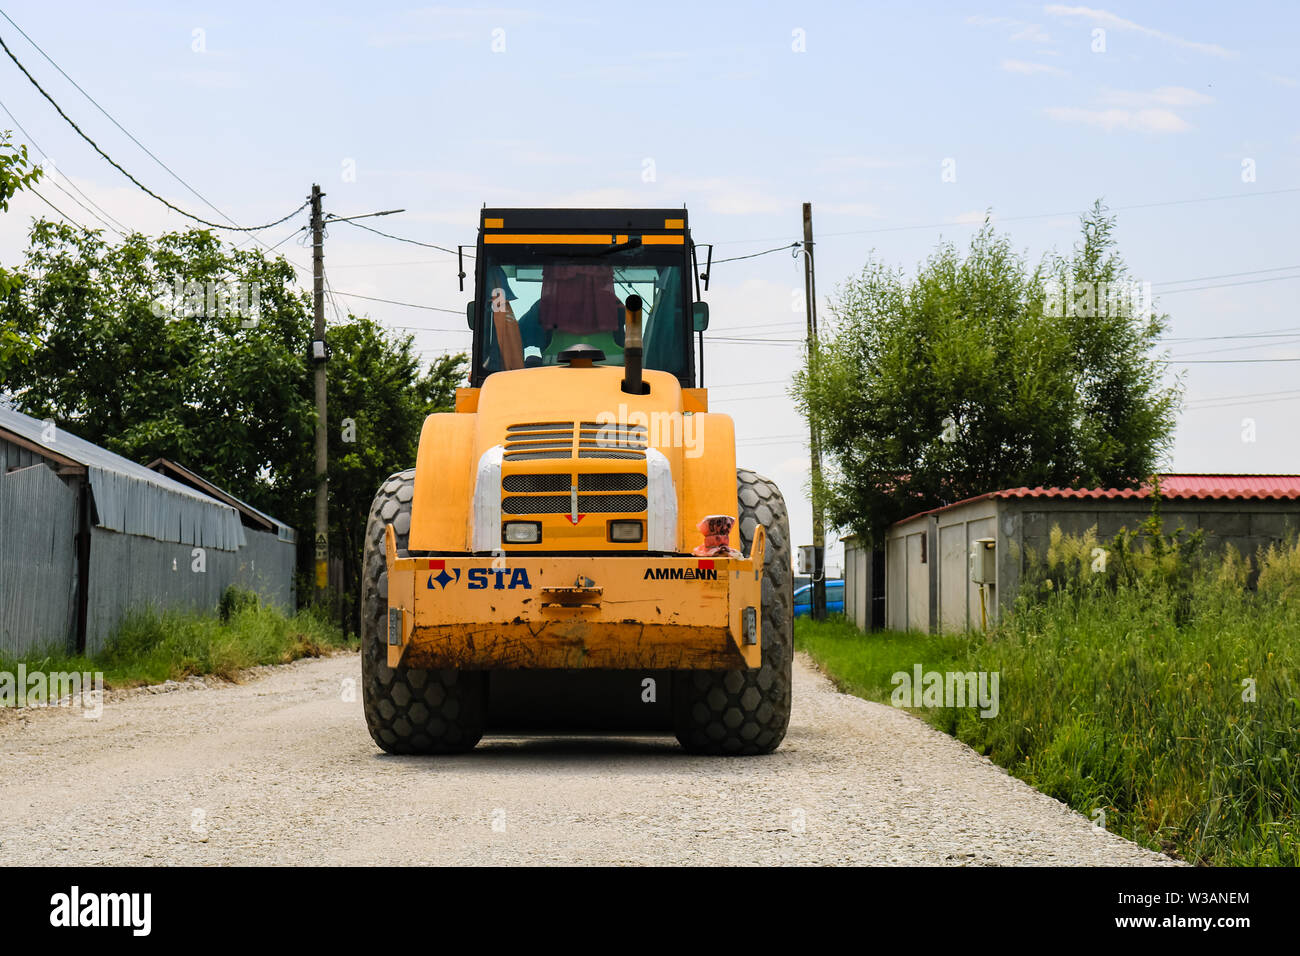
(378, 400)
(182, 347)
(16, 173)
(981, 373)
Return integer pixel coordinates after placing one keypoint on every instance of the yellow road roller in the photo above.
(576, 549)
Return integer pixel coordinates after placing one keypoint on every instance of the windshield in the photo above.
(536, 304)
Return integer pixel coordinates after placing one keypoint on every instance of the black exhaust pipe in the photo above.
(632, 349)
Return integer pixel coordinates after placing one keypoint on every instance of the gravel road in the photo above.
(280, 769)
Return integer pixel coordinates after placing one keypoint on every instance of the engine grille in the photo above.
(561, 504)
(615, 481)
(535, 483)
(537, 440)
(612, 481)
(545, 493)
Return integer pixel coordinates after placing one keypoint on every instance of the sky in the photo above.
(903, 124)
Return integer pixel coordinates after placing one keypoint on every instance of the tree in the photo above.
(184, 348)
(378, 400)
(980, 374)
(16, 173)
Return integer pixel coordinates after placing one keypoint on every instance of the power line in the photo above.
(55, 184)
(1277, 333)
(118, 166)
(427, 328)
(755, 255)
(1225, 285)
(57, 209)
(121, 230)
(1230, 361)
(1242, 348)
(1044, 215)
(770, 381)
(112, 120)
(389, 235)
(1228, 275)
(378, 265)
(286, 239)
(1217, 400)
(409, 305)
(1259, 401)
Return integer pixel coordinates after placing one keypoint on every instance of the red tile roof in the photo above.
(1172, 487)
(1252, 487)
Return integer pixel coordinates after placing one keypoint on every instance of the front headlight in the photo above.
(521, 532)
(626, 532)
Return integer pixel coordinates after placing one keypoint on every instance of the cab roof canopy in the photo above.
(637, 220)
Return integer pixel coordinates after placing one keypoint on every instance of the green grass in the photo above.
(1107, 703)
(150, 647)
(862, 665)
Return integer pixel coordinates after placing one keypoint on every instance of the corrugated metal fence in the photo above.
(38, 561)
(161, 574)
(38, 565)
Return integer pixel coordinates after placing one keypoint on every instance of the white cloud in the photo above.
(863, 210)
(1112, 21)
(1146, 111)
(1143, 121)
(1033, 33)
(1023, 66)
(1280, 80)
(1024, 30)
(1164, 96)
(835, 163)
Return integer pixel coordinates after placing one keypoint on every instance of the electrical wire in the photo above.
(1225, 285)
(148, 152)
(755, 255)
(389, 235)
(116, 165)
(121, 230)
(37, 194)
(1044, 215)
(409, 305)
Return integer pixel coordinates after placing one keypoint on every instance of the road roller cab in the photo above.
(581, 511)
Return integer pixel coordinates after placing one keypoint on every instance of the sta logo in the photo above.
(442, 578)
(478, 579)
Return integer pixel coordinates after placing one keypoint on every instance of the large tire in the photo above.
(409, 710)
(746, 712)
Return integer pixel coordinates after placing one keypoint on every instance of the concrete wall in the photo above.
(1020, 525)
(959, 597)
(909, 575)
(857, 584)
(1246, 525)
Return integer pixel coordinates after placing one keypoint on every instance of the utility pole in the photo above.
(318, 356)
(819, 528)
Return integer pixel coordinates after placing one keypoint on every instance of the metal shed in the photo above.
(268, 558)
(927, 556)
(87, 535)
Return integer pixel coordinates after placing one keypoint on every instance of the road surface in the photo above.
(280, 770)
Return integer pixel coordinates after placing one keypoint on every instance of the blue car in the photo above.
(834, 598)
